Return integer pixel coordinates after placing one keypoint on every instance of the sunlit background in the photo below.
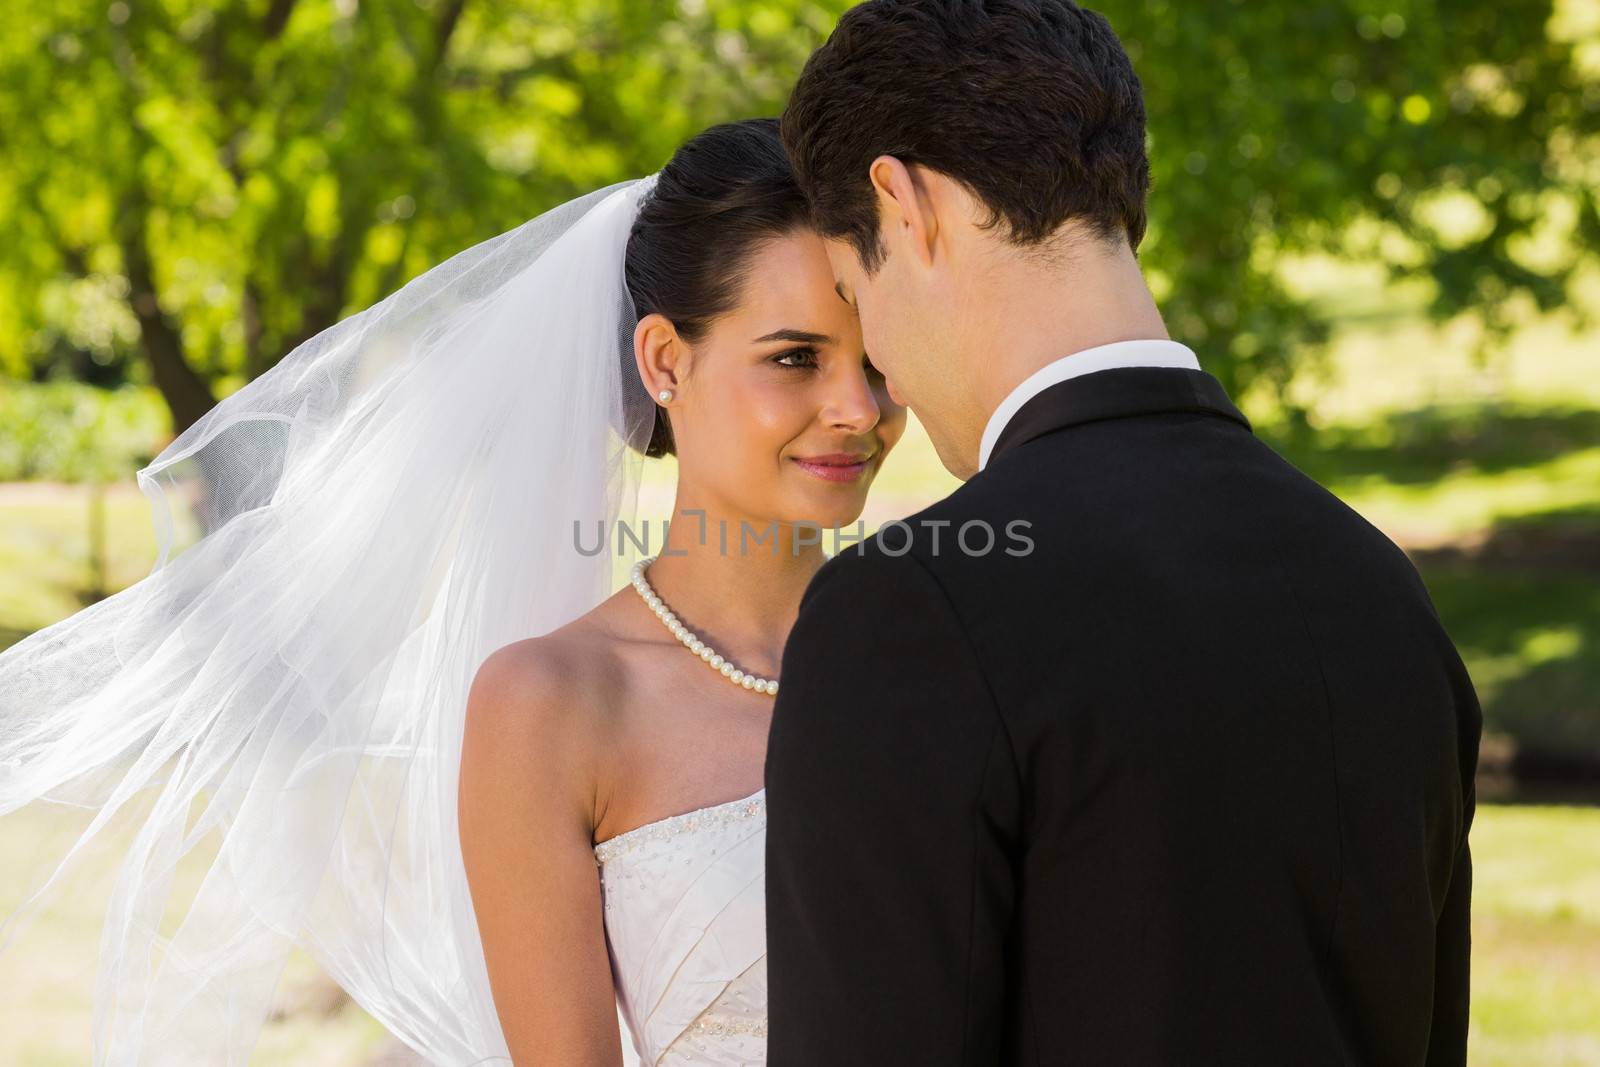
(1375, 220)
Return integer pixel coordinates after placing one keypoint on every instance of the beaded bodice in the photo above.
(685, 916)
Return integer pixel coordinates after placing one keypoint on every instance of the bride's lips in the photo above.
(835, 466)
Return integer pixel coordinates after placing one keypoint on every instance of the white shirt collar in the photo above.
(1147, 353)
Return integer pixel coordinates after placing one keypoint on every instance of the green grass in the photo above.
(44, 550)
(47, 977)
(1452, 472)
(1536, 937)
(1530, 644)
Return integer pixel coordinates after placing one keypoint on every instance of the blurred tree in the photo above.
(1454, 141)
(206, 185)
(194, 186)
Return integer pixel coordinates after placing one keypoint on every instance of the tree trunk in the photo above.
(187, 395)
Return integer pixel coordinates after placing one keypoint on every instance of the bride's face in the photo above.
(781, 397)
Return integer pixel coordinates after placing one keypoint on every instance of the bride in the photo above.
(612, 729)
(386, 708)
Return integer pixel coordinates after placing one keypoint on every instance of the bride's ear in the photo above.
(661, 356)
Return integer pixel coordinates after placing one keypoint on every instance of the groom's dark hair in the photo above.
(1032, 105)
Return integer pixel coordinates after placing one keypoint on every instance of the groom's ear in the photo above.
(907, 215)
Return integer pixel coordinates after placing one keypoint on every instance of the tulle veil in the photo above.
(282, 700)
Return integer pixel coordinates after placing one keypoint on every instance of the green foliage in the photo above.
(1450, 141)
(224, 181)
(226, 178)
(70, 432)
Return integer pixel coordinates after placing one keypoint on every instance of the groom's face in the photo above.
(909, 325)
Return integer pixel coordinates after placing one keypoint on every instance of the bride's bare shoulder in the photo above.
(533, 753)
(555, 693)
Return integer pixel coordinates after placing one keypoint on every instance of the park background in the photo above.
(1375, 220)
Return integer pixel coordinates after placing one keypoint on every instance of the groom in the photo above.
(1178, 770)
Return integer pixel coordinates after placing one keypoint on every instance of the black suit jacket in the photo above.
(1188, 782)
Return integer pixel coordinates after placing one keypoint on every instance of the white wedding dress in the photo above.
(685, 917)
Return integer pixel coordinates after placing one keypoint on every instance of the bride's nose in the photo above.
(850, 401)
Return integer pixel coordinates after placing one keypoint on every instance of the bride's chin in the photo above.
(835, 514)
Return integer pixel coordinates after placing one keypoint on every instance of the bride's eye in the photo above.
(808, 353)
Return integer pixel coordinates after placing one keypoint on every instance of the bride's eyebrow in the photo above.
(803, 336)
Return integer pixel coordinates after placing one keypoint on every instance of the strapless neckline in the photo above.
(713, 815)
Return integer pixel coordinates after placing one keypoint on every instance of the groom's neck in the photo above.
(1039, 309)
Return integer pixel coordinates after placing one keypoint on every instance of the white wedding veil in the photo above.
(282, 701)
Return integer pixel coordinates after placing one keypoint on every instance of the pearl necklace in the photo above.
(693, 643)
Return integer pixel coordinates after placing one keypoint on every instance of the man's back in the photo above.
(1222, 805)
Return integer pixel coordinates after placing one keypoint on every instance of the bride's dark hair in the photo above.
(724, 192)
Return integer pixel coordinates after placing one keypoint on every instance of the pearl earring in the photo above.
(664, 396)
